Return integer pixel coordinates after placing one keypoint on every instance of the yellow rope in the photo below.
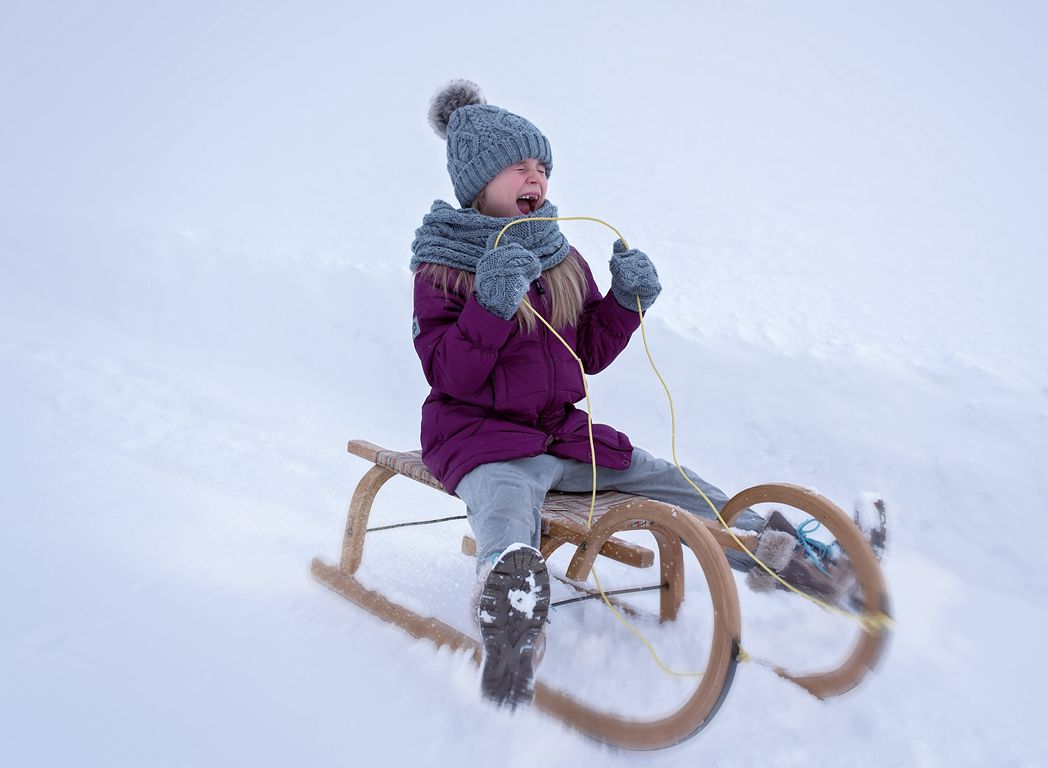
(870, 623)
(593, 452)
(640, 635)
(589, 406)
(593, 502)
(515, 222)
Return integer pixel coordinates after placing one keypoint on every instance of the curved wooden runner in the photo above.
(665, 522)
(871, 643)
(671, 527)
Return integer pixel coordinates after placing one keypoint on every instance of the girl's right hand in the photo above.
(503, 277)
(633, 276)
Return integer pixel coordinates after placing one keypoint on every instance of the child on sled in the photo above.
(500, 428)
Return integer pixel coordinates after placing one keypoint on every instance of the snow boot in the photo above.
(872, 518)
(474, 603)
(511, 610)
(828, 576)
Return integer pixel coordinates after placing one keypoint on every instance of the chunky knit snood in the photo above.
(458, 237)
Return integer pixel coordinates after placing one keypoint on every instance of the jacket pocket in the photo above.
(568, 378)
(521, 386)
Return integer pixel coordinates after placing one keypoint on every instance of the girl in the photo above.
(500, 428)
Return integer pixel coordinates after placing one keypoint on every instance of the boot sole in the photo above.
(512, 612)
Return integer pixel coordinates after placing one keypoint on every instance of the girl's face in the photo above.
(519, 189)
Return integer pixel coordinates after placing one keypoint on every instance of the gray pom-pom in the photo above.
(457, 93)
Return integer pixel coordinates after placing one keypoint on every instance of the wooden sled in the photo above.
(677, 535)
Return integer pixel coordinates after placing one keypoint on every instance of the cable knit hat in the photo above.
(482, 139)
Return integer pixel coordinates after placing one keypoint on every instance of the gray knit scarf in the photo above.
(458, 237)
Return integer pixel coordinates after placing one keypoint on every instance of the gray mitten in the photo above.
(633, 275)
(503, 277)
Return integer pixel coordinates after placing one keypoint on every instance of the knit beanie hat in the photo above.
(482, 139)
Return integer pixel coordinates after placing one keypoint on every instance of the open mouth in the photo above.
(528, 203)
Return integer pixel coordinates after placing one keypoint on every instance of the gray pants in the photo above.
(504, 498)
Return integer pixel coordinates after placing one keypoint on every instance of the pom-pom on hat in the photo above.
(482, 139)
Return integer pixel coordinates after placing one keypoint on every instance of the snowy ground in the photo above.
(205, 214)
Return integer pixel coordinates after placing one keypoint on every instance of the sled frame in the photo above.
(564, 518)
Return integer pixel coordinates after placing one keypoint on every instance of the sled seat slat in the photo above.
(406, 463)
(565, 516)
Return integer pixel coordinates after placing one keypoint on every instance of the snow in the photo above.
(523, 600)
(205, 219)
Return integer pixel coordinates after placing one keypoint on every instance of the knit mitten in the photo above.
(503, 276)
(633, 275)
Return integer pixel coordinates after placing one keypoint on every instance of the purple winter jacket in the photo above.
(499, 393)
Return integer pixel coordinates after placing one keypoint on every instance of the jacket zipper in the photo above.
(549, 357)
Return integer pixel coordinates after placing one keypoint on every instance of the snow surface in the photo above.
(205, 218)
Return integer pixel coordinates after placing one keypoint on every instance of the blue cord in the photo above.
(817, 551)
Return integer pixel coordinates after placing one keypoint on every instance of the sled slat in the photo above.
(406, 463)
(614, 549)
(364, 449)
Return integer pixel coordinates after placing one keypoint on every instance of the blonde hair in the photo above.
(566, 289)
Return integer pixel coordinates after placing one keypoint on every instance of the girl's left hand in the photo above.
(633, 275)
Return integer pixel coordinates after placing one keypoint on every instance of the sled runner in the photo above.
(676, 535)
